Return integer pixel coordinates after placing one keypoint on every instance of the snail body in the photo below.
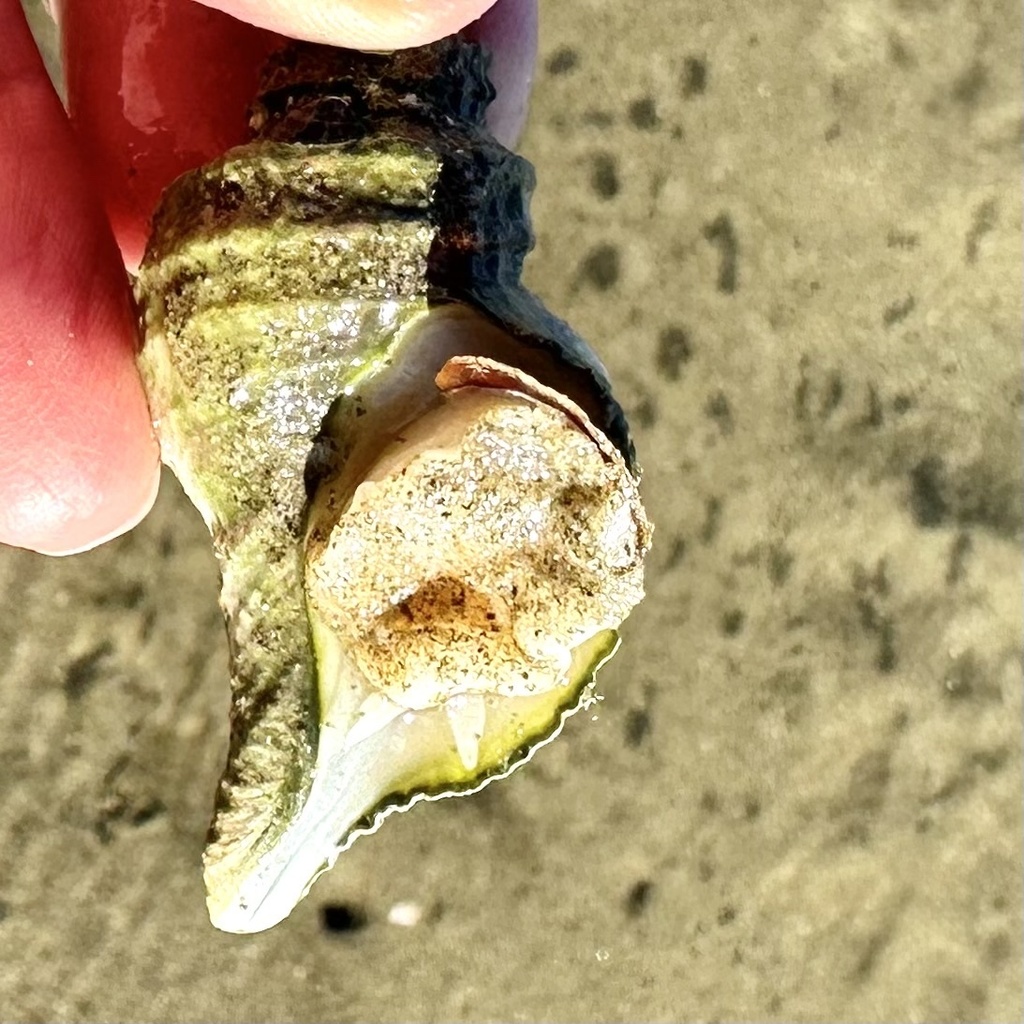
(420, 490)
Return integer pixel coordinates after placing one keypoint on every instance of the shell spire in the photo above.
(421, 493)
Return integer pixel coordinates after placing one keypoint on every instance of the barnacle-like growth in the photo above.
(421, 492)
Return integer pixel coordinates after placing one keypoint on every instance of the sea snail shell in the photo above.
(422, 495)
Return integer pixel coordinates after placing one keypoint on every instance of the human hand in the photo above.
(154, 87)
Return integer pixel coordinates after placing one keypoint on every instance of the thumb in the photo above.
(358, 24)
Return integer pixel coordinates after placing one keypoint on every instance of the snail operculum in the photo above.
(486, 546)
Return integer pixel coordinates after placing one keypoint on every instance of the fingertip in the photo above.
(508, 32)
(78, 456)
(82, 514)
(358, 24)
(79, 460)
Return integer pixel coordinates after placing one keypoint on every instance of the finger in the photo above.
(358, 24)
(78, 461)
(508, 32)
(155, 87)
(158, 86)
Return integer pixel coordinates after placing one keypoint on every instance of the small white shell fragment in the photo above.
(406, 914)
(466, 715)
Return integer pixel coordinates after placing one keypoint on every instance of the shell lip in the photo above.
(481, 372)
(269, 892)
(523, 318)
(579, 699)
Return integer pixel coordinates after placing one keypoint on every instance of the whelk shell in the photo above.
(421, 493)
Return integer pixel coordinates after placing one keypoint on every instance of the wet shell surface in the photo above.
(421, 493)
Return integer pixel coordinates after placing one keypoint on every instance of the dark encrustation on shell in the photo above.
(421, 492)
